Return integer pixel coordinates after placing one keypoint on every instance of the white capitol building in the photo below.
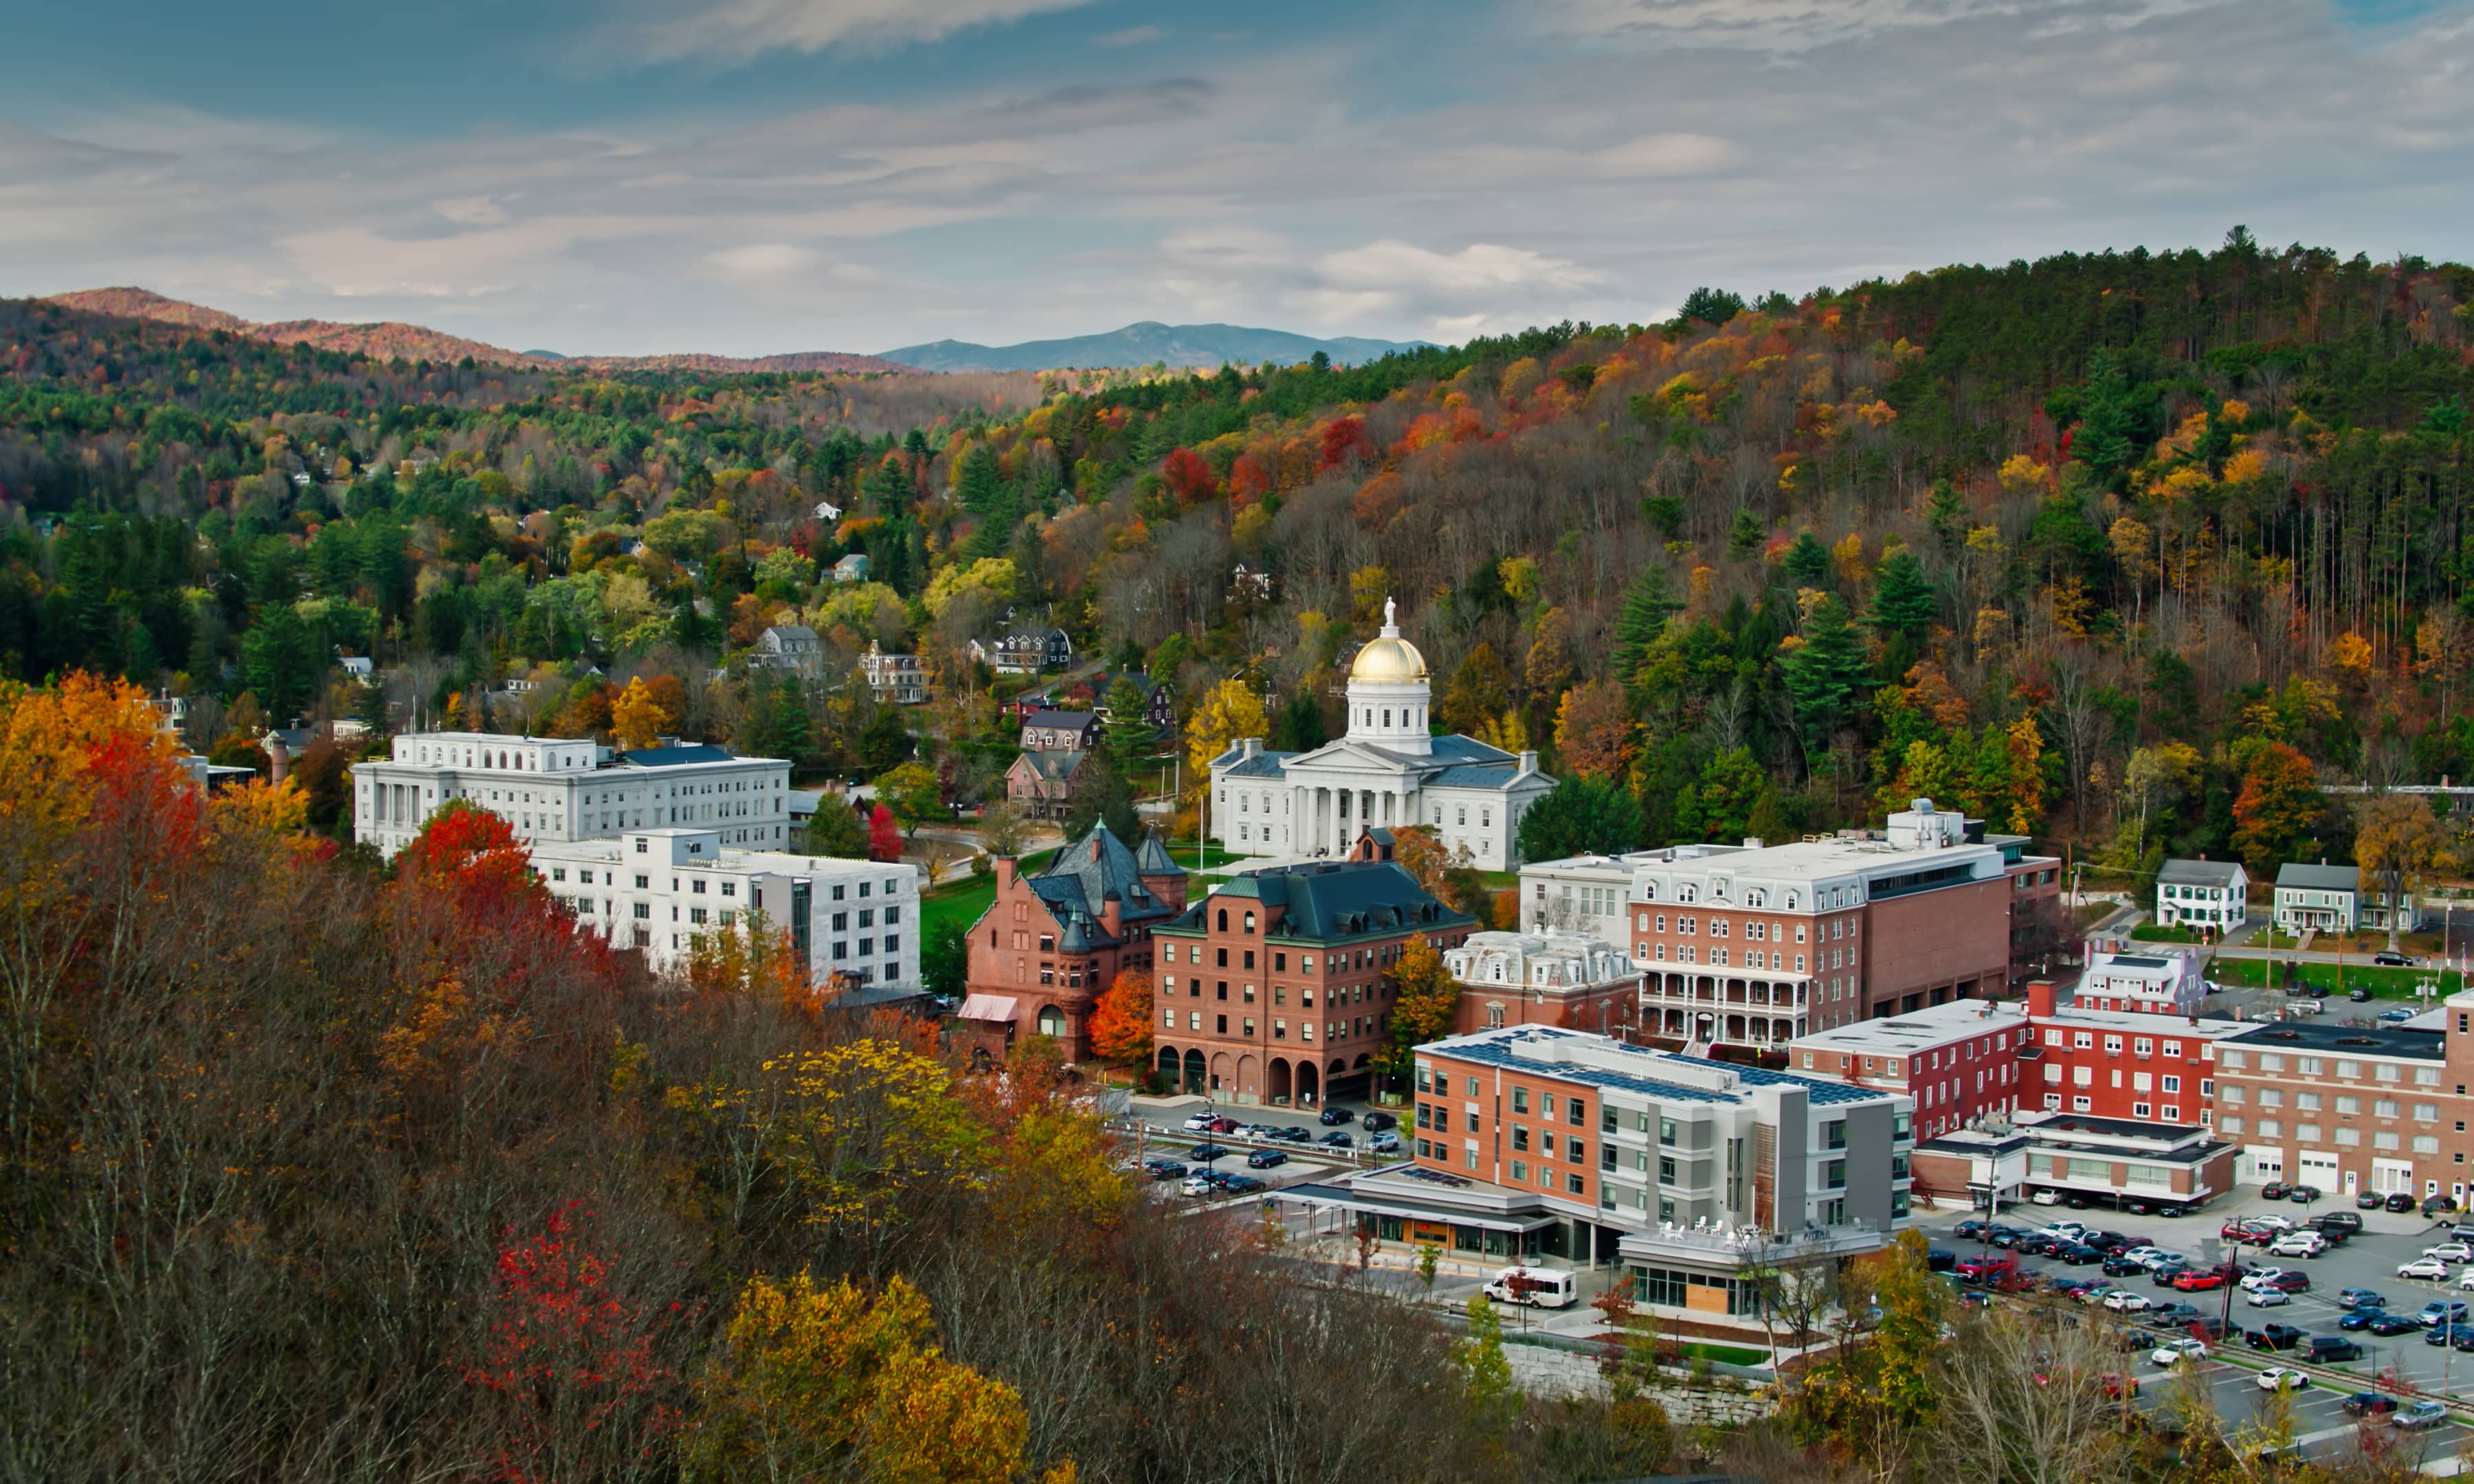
(1388, 771)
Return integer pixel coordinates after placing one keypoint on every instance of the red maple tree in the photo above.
(1189, 477)
(883, 835)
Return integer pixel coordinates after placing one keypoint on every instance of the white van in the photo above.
(1546, 1288)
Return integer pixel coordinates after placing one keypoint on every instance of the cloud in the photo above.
(739, 30)
(1800, 25)
(760, 259)
(1479, 267)
(1131, 36)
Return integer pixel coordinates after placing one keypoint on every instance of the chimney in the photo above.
(279, 759)
(1529, 761)
(1004, 871)
(1251, 747)
(1752, 842)
(2040, 998)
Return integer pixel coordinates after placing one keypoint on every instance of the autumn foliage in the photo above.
(1121, 1021)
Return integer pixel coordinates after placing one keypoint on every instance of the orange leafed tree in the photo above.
(1120, 1022)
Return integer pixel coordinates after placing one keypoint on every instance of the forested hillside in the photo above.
(2127, 548)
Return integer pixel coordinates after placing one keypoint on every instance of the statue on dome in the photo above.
(1390, 620)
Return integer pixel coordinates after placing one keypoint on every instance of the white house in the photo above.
(2322, 898)
(552, 789)
(2211, 895)
(1388, 771)
(658, 890)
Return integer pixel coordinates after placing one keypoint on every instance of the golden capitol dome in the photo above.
(1390, 660)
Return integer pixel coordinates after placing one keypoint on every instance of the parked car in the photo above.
(2157, 1260)
(2273, 1337)
(2139, 1207)
(2447, 1334)
(2046, 1197)
(2370, 1200)
(1201, 1123)
(2079, 1254)
(1293, 1135)
(2466, 1283)
(2197, 1281)
(2415, 1415)
(2306, 1194)
(2121, 1267)
(1331, 1116)
(2275, 1190)
(2359, 996)
(2173, 1353)
(2442, 1311)
(1938, 1260)
(2118, 1388)
(2268, 1298)
(2390, 1326)
(2335, 1221)
(1167, 1169)
(2260, 1278)
(1338, 1138)
(2286, 1282)
(2451, 1252)
(2170, 1316)
(2008, 1236)
(1242, 1185)
(2428, 1269)
(2388, 959)
(1206, 1153)
(2361, 1298)
(1971, 1230)
(2361, 1318)
(2434, 1204)
(2282, 1379)
(2122, 1301)
(1265, 1158)
(1376, 1120)
(1385, 1142)
(2329, 1349)
(2370, 1403)
(1198, 1184)
(2400, 1201)
(2298, 1244)
(1983, 1269)
(2394, 1017)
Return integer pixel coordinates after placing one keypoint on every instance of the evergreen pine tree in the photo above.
(1826, 672)
(1647, 604)
(1128, 737)
(1904, 604)
(792, 735)
(1808, 560)
(1299, 726)
(1747, 535)
(1947, 513)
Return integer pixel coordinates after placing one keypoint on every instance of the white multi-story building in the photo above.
(658, 889)
(2148, 982)
(552, 789)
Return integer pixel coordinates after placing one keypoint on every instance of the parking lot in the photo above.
(1164, 1136)
(2368, 1260)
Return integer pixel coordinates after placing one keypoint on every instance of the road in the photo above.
(2368, 1260)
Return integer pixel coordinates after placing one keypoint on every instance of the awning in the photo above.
(987, 1007)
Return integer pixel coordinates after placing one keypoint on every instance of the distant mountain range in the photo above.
(1196, 345)
(391, 340)
(1199, 346)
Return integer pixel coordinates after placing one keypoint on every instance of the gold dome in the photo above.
(1389, 661)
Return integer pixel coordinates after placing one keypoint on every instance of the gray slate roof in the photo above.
(1055, 766)
(1060, 721)
(1081, 880)
(2197, 873)
(1155, 860)
(1329, 900)
(2319, 878)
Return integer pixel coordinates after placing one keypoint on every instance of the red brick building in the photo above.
(1273, 988)
(2147, 1069)
(1959, 1059)
(1052, 943)
(1570, 980)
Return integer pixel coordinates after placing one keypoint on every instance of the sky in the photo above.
(751, 177)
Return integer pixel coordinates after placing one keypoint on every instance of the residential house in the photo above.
(1062, 732)
(852, 568)
(2209, 896)
(2322, 898)
(1090, 693)
(790, 647)
(1041, 782)
(1024, 651)
(898, 679)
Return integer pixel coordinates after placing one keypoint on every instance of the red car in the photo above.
(2193, 1280)
(2242, 1232)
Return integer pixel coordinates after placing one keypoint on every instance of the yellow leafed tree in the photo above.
(825, 1383)
(638, 716)
(1229, 712)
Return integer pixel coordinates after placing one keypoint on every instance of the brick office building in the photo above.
(1564, 979)
(1755, 947)
(2350, 1109)
(1694, 1174)
(1051, 943)
(2119, 1064)
(1273, 988)
(1959, 1061)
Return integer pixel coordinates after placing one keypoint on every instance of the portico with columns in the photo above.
(1389, 771)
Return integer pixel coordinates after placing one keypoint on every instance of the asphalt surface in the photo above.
(2368, 1261)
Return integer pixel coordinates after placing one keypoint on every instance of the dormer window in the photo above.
(1649, 891)
(1684, 893)
(1790, 902)
(1755, 899)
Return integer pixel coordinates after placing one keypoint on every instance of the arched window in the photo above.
(1052, 1022)
(1250, 922)
(1495, 1015)
(1684, 893)
(1755, 898)
(1224, 920)
(1649, 891)
(1790, 902)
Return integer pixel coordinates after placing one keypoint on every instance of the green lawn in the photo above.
(2384, 983)
(961, 902)
(1725, 1354)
